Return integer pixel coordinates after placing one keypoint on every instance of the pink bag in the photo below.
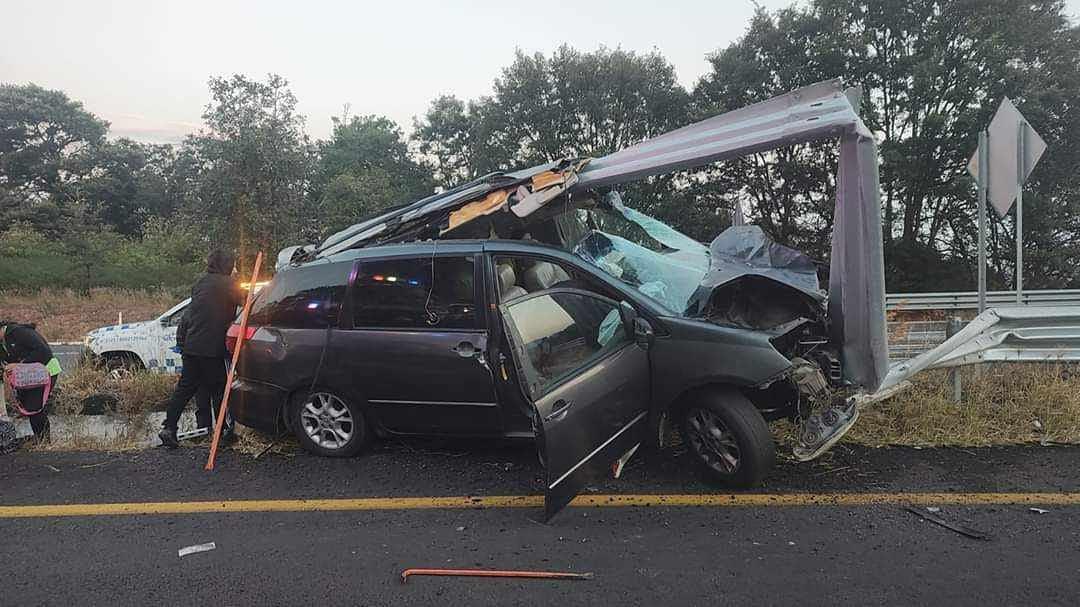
(28, 376)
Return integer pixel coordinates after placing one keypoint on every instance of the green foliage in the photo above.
(30, 260)
(932, 72)
(571, 104)
(42, 134)
(364, 168)
(246, 176)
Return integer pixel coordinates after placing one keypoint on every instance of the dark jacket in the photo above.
(181, 332)
(214, 300)
(22, 344)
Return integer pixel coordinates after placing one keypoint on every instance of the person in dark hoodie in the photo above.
(23, 344)
(214, 300)
(204, 413)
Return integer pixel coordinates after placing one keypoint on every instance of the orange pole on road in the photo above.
(235, 357)
(544, 575)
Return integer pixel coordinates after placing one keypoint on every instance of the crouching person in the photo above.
(21, 343)
(214, 300)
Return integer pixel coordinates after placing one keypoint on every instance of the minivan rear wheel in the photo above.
(728, 437)
(329, 425)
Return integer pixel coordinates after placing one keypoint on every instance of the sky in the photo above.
(143, 65)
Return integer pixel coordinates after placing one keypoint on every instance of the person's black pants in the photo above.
(31, 401)
(203, 376)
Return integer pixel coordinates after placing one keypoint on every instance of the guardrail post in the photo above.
(952, 328)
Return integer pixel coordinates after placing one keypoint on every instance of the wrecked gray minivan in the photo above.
(724, 338)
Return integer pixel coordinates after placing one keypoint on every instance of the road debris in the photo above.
(961, 529)
(547, 575)
(1038, 510)
(196, 549)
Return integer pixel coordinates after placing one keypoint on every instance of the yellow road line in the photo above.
(533, 501)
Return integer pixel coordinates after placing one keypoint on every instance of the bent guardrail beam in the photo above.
(1017, 334)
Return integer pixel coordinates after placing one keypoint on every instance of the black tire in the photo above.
(718, 422)
(120, 365)
(317, 418)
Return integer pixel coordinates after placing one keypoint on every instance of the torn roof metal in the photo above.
(818, 111)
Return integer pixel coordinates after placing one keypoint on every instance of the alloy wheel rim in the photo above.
(327, 421)
(713, 442)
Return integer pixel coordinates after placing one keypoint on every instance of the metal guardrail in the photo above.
(911, 338)
(1018, 334)
(969, 300)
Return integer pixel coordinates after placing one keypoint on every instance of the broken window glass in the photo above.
(562, 332)
(639, 250)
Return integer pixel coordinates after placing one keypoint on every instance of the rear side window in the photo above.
(417, 293)
(303, 298)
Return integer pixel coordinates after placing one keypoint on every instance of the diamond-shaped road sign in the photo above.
(1004, 143)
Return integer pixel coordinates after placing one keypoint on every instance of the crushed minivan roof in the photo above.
(856, 294)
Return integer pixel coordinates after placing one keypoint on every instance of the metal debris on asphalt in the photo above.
(961, 529)
(547, 575)
(1038, 510)
(196, 549)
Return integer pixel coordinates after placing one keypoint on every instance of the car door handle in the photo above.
(559, 410)
(465, 349)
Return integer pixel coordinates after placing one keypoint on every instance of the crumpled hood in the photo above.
(743, 250)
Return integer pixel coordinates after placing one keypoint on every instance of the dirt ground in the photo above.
(64, 315)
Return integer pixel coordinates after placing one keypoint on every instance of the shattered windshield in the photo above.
(643, 252)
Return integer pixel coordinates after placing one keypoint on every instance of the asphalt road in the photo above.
(877, 554)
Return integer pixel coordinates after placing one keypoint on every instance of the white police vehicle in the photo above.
(140, 345)
(147, 345)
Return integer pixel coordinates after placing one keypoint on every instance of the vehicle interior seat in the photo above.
(544, 275)
(508, 287)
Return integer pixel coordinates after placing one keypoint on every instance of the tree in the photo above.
(249, 173)
(363, 169)
(44, 137)
(112, 185)
(460, 141)
(932, 72)
(571, 104)
(41, 131)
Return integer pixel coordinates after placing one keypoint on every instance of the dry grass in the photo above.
(1001, 405)
(256, 444)
(135, 393)
(66, 315)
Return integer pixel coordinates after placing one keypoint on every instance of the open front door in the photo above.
(588, 379)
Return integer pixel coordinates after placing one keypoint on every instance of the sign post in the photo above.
(1007, 153)
(1021, 174)
(980, 178)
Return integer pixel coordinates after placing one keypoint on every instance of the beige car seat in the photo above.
(508, 287)
(543, 275)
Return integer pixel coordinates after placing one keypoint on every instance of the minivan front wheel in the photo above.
(328, 425)
(728, 437)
